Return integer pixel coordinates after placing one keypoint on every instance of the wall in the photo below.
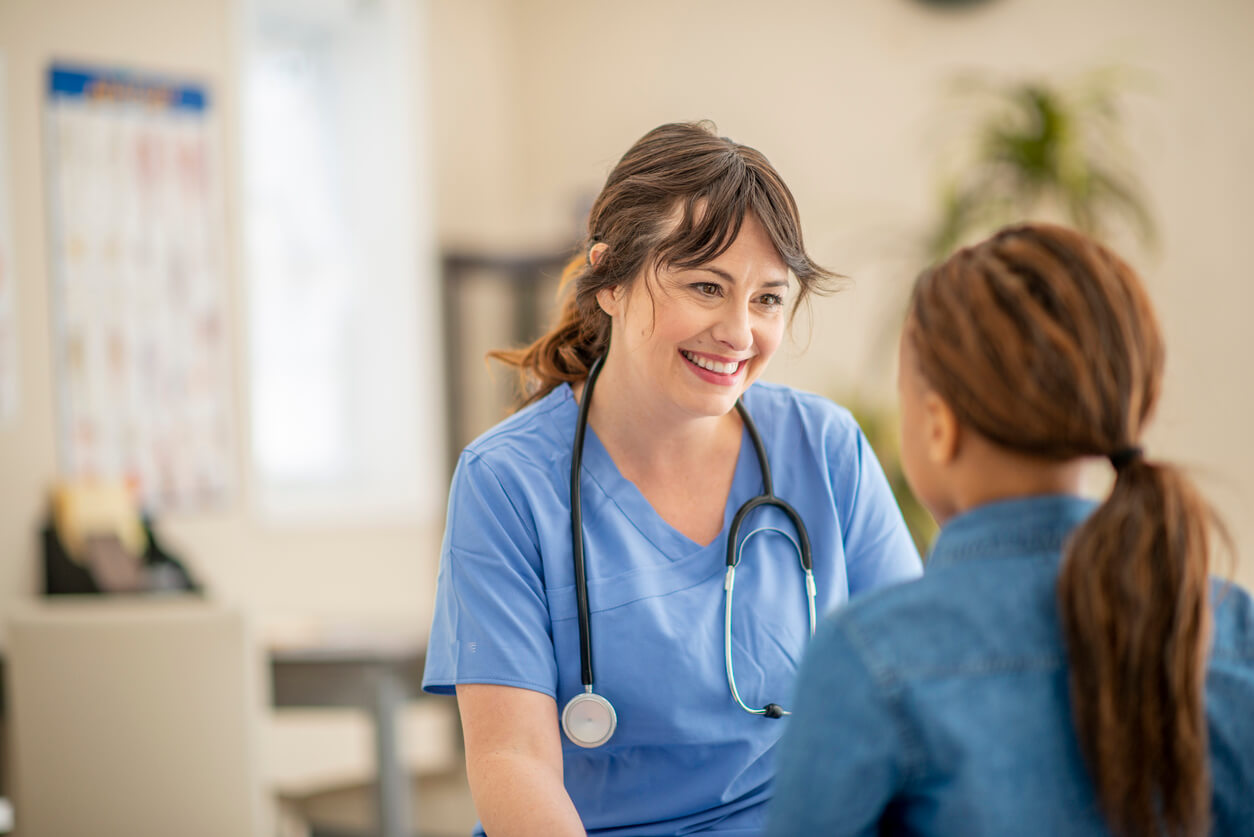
(322, 570)
(531, 103)
(848, 99)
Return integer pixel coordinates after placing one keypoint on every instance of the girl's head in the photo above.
(1042, 347)
(1039, 340)
(678, 199)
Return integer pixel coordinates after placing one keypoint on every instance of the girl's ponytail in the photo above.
(1135, 605)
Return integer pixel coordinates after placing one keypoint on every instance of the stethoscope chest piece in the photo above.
(589, 720)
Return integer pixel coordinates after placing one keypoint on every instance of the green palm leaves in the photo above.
(1041, 151)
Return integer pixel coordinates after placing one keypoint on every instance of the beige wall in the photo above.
(533, 100)
(847, 99)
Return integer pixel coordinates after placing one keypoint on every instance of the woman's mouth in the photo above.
(717, 367)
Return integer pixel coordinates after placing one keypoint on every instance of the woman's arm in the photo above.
(878, 546)
(514, 762)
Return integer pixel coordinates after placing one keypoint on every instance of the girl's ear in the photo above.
(943, 432)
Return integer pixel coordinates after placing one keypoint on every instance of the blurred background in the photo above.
(252, 252)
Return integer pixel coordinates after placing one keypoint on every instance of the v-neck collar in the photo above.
(623, 493)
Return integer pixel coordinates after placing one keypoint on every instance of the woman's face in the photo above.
(693, 340)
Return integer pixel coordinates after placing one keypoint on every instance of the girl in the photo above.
(1063, 667)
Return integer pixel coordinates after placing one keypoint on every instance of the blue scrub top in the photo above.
(685, 758)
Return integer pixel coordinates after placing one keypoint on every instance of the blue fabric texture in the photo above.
(942, 707)
(685, 758)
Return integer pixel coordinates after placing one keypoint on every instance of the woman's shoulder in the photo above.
(538, 434)
(786, 409)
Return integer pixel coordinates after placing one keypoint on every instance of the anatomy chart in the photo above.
(139, 295)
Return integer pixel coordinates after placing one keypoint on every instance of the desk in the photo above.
(376, 671)
(379, 676)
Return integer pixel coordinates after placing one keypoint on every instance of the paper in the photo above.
(139, 294)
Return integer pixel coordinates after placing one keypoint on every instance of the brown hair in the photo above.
(682, 169)
(1045, 342)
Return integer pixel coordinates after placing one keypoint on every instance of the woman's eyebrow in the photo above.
(723, 274)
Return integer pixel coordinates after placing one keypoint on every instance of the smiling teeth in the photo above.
(712, 365)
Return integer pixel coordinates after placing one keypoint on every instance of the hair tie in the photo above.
(1124, 457)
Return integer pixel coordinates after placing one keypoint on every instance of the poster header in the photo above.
(117, 87)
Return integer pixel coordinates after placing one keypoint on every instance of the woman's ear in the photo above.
(943, 431)
(610, 300)
(607, 298)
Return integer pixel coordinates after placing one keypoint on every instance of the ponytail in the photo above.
(567, 351)
(1134, 598)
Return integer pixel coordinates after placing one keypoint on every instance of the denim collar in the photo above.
(1022, 526)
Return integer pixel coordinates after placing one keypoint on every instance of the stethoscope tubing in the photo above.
(576, 529)
(598, 704)
(729, 588)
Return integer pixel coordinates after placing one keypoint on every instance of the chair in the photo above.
(134, 718)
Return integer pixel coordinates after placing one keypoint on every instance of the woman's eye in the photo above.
(772, 300)
(708, 288)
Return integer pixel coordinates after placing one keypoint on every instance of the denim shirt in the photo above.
(941, 706)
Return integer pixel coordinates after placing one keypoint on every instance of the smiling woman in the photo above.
(606, 527)
(720, 322)
(676, 201)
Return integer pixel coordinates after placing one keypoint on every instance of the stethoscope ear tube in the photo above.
(771, 710)
(803, 538)
(735, 545)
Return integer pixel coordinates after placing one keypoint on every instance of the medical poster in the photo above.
(8, 277)
(139, 292)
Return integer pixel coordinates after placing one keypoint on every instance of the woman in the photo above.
(1063, 667)
(693, 262)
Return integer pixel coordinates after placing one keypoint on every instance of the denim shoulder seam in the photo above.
(913, 751)
(1002, 546)
(991, 665)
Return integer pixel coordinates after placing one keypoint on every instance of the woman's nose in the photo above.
(734, 328)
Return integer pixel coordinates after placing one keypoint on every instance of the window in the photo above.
(342, 294)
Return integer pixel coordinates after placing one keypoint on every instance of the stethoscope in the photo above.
(588, 718)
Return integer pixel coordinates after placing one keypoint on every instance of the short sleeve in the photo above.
(491, 622)
(878, 546)
(842, 759)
